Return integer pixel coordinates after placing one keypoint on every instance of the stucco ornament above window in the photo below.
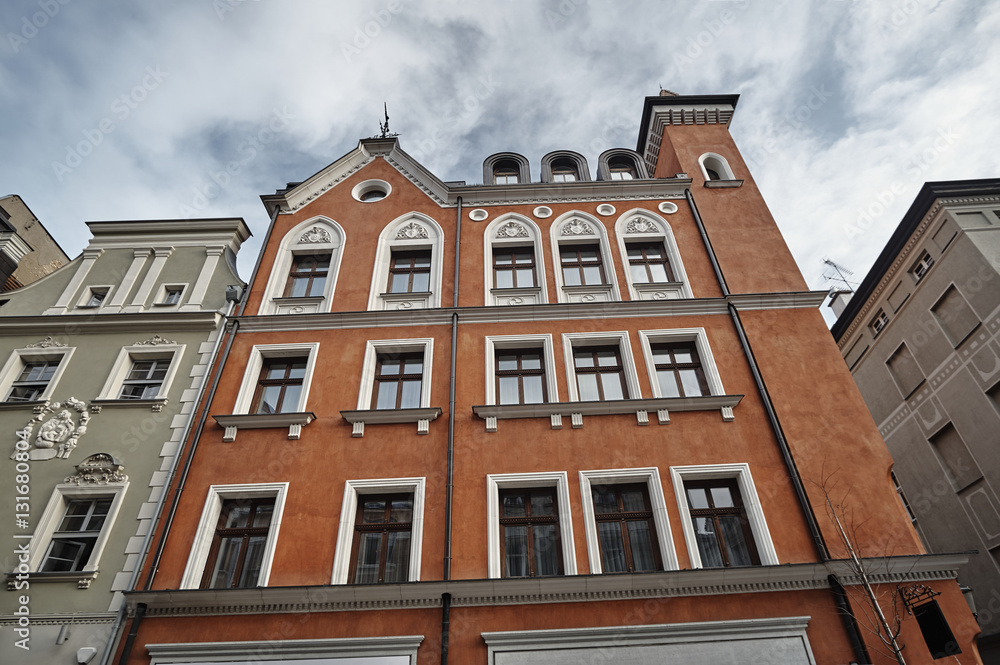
(154, 341)
(46, 343)
(640, 224)
(53, 432)
(315, 235)
(512, 230)
(411, 231)
(577, 227)
(98, 469)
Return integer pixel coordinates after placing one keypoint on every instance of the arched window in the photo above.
(654, 268)
(506, 168)
(715, 167)
(305, 269)
(620, 164)
(505, 173)
(564, 166)
(564, 170)
(514, 270)
(407, 272)
(580, 251)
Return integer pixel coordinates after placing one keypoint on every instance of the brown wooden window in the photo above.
(32, 381)
(280, 385)
(625, 528)
(564, 170)
(382, 530)
(720, 523)
(581, 265)
(678, 370)
(520, 376)
(648, 263)
(144, 379)
(398, 381)
(599, 373)
(529, 532)
(513, 267)
(410, 271)
(622, 168)
(308, 275)
(506, 173)
(73, 542)
(237, 551)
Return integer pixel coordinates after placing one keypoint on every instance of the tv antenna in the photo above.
(840, 276)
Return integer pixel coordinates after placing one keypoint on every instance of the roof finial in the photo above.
(667, 93)
(384, 126)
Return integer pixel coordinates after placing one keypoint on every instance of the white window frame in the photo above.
(244, 398)
(129, 354)
(161, 294)
(106, 289)
(699, 337)
(726, 172)
(582, 340)
(202, 545)
(490, 241)
(348, 513)
(291, 246)
(661, 233)
(498, 481)
(395, 346)
(387, 242)
(56, 508)
(358, 650)
(543, 342)
(751, 504)
(600, 235)
(20, 357)
(649, 475)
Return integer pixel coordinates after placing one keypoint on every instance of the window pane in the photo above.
(592, 275)
(583, 359)
(298, 287)
(612, 385)
(604, 500)
(505, 279)
(262, 516)
(607, 358)
(390, 365)
(401, 510)
(422, 260)
(682, 354)
(516, 550)
(546, 549)
(659, 272)
(668, 384)
(541, 504)
(421, 282)
(369, 550)
(397, 557)
(400, 283)
(708, 543)
(633, 500)
(736, 547)
(269, 399)
(66, 555)
(689, 379)
(373, 511)
(503, 258)
(413, 365)
(642, 546)
(571, 276)
(386, 398)
(250, 575)
(411, 395)
(587, 384)
(639, 274)
(533, 390)
(697, 498)
(531, 361)
(225, 563)
(612, 547)
(506, 361)
(525, 277)
(316, 289)
(509, 390)
(291, 401)
(722, 497)
(513, 505)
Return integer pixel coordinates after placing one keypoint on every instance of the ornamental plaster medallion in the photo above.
(512, 230)
(53, 432)
(154, 340)
(411, 231)
(45, 344)
(641, 225)
(315, 235)
(98, 469)
(577, 227)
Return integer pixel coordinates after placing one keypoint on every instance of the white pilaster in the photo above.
(89, 257)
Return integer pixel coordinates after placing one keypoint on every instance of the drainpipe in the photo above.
(140, 611)
(772, 415)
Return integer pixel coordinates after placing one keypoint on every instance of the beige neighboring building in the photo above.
(922, 338)
(27, 251)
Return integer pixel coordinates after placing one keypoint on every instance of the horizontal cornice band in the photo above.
(105, 323)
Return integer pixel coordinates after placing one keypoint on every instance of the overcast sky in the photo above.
(125, 110)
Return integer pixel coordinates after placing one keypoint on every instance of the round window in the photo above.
(370, 191)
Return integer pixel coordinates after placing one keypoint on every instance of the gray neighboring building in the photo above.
(101, 364)
(922, 338)
(27, 250)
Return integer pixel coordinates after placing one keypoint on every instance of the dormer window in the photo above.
(564, 170)
(564, 166)
(505, 173)
(620, 164)
(621, 168)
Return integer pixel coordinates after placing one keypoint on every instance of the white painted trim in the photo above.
(139, 258)
(160, 256)
(202, 544)
(544, 341)
(302, 652)
(601, 236)
(751, 503)
(663, 234)
(497, 481)
(244, 398)
(56, 508)
(619, 337)
(534, 239)
(161, 295)
(348, 512)
(129, 354)
(726, 172)
(700, 337)
(17, 359)
(375, 346)
(290, 246)
(89, 257)
(651, 476)
(106, 289)
(212, 255)
(383, 255)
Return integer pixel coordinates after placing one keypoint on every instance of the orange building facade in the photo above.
(571, 419)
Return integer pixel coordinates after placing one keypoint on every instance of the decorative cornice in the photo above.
(536, 312)
(139, 322)
(61, 619)
(565, 589)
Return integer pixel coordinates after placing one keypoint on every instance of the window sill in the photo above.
(297, 305)
(722, 184)
(588, 293)
(414, 300)
(555, 411)
(35, 405)
(83, 578)
(422, 417)
(659, 290)
(531, 295)
(294, 421)
(156, 404)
